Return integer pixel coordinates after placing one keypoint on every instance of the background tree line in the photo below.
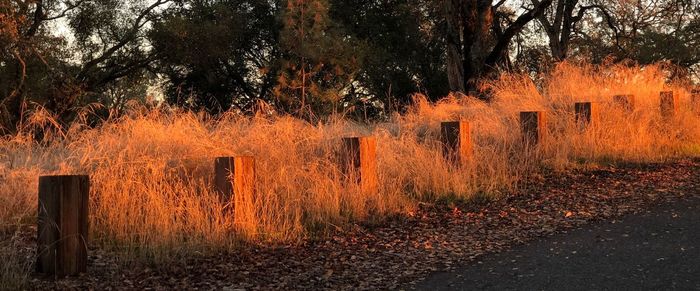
(313, 58)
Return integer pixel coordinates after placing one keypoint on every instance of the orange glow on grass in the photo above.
(152, 172)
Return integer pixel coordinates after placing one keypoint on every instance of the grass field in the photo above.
(151, 170)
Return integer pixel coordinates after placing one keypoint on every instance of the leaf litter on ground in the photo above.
(403, 250)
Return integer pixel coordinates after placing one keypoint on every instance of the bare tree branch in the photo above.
(126, 39)
(503, 42)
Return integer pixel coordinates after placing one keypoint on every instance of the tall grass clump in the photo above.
(152, 170)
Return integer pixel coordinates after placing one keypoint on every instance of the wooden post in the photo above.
(668, 103)
(533, 125)
(223, 172)
(695, 100)
(359, 161)
(235, 180)
(625, 101)
(587, 113)
(63, 225)
(244, 191)
(456, 141)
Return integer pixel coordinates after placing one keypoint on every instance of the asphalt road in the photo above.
(655, 250)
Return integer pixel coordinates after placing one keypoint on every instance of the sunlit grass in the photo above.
(152, 170)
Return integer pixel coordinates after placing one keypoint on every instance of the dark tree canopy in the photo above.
(217, 54)
(313, 58)
(404, 47)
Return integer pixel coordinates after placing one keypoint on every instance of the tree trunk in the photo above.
(559, 31)
(472, 49)
(455, 59)
(477, 24)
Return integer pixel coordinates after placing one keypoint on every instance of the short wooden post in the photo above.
(625, 101)
(63, 225)
(695, 100)
(668, 103)
(244, 191)
(234, 180)
(456, 141)
(587, 113)
(359, 161)
(533, 125)
(223, 174)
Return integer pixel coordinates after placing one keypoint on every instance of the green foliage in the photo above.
(27, 52)
(363, 58)
(318, 63)
(644, 32)
(681, 48)
(43, 66)
(302, 56)
(404, 47)
(217, 55)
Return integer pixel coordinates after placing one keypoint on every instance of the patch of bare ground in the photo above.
(405, 249)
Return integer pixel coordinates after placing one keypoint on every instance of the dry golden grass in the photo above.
(152, 170)
(15, 263)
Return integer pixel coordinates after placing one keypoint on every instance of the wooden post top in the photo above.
(533, 126)
(64, 176)
(62, 227)
(533, 114)
(586, 113)
(461, 121)
(456, 141)
(668, 103)
(365, 137)
(245, 158)
(626, 101)
(359, 161)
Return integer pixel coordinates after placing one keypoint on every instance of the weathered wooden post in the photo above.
(223, 174)
(456, 141)
(695, 100)
(625, 101)
(533, 125)
(668, 103)
(234, 179)
(243, 190)
(587, 113)
(359, 161)
(63, 225)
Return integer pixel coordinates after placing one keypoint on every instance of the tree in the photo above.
(218, 55)
(318, 63)
(478, 38)
(667, 31)
(46, 68)
(403, 48)
(319, 56)
(559, 24)
(34, 60)
(111, 40)
(647, 31)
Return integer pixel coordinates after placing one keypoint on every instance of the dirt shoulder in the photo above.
(406, 250)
